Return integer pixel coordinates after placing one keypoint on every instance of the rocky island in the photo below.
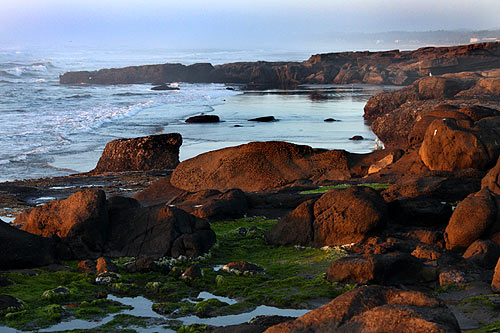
(402, 238)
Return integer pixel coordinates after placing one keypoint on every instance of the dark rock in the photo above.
(203, 119)
(158, 231)
(87, 266)
(158, 192)
(444, 189)
(419, 211)
(80, 221)
(164, 87)
(296, 228)
(376, 309)
(427, 237)
(242, 267)
(484, 253)
(10, 304)
(427, 252)
(492, 179)
(391, 268)
(330, 120)
(474, 217)
(105, 265)
(5, 282)
(21, 249)
(356, 138)
(453, 277)
(259, 165)
(265, 119)
(154, 152)
(142, 265)
(57, 268)
(212, 204)
(192, 272)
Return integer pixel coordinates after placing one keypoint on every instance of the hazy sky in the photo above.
(232, 23)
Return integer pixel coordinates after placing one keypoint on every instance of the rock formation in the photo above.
(390, 67)
(140, 154)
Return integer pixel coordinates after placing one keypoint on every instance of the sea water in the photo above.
(48, 129)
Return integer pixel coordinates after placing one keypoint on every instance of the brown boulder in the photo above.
(80, 221)
(160, 191)
(87, 266)
(192, 272)
(143, 265)
(391, 268)
(376, 309)
(474, 217)
(439, 87)
(343, 216)
(259, 165)
(155, 152)
(20, 249)
(338, 217)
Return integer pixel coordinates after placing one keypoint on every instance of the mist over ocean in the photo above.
(50, 129)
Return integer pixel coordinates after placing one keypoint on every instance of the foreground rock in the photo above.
(155, 152)
(259, 165)
(340, 216)
(20, 249)
(80, 222)
(376, 309)
(87, 226)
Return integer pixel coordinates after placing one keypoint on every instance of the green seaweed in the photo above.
(324, 189)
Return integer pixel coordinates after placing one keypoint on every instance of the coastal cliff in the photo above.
(389, 67)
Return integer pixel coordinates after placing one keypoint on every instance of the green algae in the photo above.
(293, 278)
(324, 189)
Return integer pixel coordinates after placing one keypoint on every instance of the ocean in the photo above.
(48, 129)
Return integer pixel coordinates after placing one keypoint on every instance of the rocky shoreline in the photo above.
(411, 233)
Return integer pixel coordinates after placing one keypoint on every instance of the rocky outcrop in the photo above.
(203, 119)
(413, 108)
(340, 216)
(259, 165)
(20, 249)
(390, 67)
(376, 309)
(86, 225)
(155, 152)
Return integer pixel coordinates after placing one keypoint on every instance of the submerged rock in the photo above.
(265, 119)
(203, 119)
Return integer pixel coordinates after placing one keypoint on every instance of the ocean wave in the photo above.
(80, 96)
(133, 94)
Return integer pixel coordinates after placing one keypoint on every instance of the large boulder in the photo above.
(420, 211)
(80, 221)
(376, 309)
(484, 253)
(338, 217)
(453, 145)
(157, 231)
(155, 152)
(473, 218)
(20, 249)
(258, 166)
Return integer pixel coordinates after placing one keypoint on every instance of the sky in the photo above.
(232, 23)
